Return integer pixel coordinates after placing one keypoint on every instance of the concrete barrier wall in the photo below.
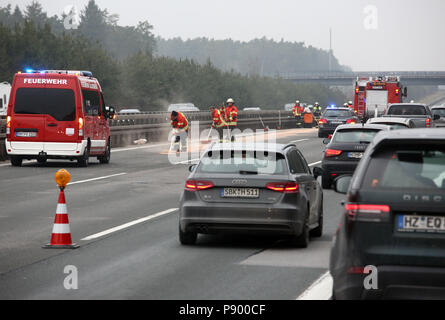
(155, 127)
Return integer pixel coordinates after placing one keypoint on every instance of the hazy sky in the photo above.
(409, 36)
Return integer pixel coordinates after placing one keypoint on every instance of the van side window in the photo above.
(91, 103)
(1, 103)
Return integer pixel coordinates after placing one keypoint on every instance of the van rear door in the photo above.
(49, 112)
(27, 123)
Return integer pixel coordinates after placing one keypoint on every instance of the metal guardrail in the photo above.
(155, 126)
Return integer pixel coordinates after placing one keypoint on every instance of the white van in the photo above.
(5, 89)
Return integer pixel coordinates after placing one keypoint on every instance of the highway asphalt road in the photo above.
(144, 260)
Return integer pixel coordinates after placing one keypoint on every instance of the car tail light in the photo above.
(332, 153)
(356, 90)
(8, 125)
(428, 122)
(80, 127)
(285, 187)
(321, 121)
(195, 185)
(356, 270)
(397, 91)
(350, 121)
(367, 212)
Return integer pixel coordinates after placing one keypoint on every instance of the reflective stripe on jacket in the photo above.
(297, 110)
(218, 120)
(232, 115)
(181, 122)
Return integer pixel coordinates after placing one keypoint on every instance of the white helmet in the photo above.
(345, 104)
(316, 103)
(298, 101)
(350, 102)
(230, 100)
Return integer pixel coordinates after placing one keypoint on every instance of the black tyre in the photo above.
(107, 156)
(187, 238)
(320, 135)
(318, 231)
(83, 161)
(302, 241)
(16, 161)
(326, 181)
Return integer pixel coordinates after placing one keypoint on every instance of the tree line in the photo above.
(125, 61)
(264, 57)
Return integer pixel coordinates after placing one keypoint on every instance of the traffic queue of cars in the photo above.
(394, 221)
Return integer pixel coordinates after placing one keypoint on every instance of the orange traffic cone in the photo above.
(61, 236)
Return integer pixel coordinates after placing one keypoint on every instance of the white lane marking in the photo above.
(301, 140)
(98, 178)
(128, 224)
(321, 289)
(314, 163)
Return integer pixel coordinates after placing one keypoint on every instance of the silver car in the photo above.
(243, 188)
(393, 122)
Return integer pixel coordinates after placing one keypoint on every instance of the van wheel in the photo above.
(16, 161)
(82, 161)
(106, 157)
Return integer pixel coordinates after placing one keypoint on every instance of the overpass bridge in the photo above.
(413, 78)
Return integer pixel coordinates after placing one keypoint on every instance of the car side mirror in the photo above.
(192, 167)
(341, 184)
(317, 172)
(326, 141)
(110, 112)
(436, 117)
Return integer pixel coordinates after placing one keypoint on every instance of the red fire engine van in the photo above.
(373, 95)
(57, 114)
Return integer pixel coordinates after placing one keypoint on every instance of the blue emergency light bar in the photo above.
(79, 73)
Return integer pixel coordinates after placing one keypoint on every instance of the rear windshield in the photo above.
(392, 125)
(337, 113)
(355, 136)
(243, 162)
(407, 169)
(440, 112)
(57, 103)
(407, 110)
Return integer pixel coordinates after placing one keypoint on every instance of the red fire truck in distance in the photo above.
(373, 95)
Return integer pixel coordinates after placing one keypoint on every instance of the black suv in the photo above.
(331, 118)
(394, 221)
(344, 151)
